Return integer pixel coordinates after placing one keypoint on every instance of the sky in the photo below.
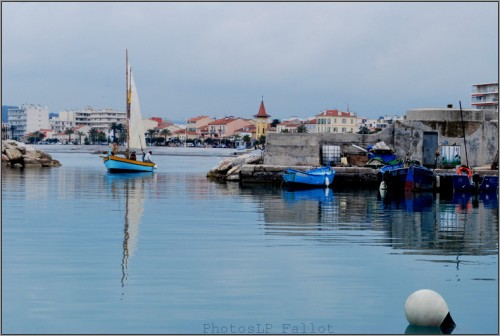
(221, 59)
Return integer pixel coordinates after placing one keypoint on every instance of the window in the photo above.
(343, 121)
(343, 130)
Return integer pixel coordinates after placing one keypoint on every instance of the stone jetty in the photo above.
(19, 155)
(249, 168)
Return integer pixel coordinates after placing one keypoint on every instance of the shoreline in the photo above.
(173, 151)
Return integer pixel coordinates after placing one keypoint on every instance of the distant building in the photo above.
(311, 125)
(288, 126)
(485, 97)
(198, 124)
(335, 121)
(27, 118)
(262, 121)
(88, 116)
(226, 127)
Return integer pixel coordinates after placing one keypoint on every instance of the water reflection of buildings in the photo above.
(420, 222)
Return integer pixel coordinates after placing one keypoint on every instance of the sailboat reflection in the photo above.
(130, 187)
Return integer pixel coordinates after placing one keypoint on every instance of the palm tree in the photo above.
(114, 128)
(80, 134)
(151, 132)
(93, 133)
(69, 131)
(165, 132)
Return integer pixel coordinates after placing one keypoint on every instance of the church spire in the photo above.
(262, 111)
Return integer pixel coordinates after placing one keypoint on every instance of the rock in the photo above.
(13, 154)
(18, 155)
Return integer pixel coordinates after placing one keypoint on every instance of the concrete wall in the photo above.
(481, 130)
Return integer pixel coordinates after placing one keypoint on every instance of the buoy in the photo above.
(426, 308)
(327, 181)
(383, 186)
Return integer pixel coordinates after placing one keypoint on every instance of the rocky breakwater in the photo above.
(19, 155)
(230, 169)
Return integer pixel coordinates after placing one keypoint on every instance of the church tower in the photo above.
(262, 121)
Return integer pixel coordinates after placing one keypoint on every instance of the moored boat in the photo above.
(135, 135)
(466, 181)
(317, 177)
(412, 177)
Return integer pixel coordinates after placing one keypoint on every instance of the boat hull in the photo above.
(411, 178)
(319, 177)
(115, 164)
(462, 183)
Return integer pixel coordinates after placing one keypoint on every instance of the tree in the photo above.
(68, 132)
(363, 130)
(247, 139)
(275, 122)
(80, 134)
(151, 133)
(165, 132)
(93, 135)
(114, 128)
(301, 129)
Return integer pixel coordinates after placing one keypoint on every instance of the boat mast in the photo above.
(463, 131)
(127, 96)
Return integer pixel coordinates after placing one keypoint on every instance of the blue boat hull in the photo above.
(462, 183)
(411, 178)
(319, 177)
(116, 164)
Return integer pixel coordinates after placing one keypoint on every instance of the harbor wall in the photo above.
(406, 137)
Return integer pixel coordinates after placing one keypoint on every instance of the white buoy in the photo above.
(426, 308)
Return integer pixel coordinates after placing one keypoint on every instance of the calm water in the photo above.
(87, 252)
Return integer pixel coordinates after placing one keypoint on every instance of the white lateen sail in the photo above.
(136, 131)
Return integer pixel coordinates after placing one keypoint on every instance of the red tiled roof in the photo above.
(195, 119)
(334, 113)
(262, 111)
(224, 121)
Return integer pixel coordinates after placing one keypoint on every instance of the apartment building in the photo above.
(335, 121)
(196, 124)
(27, 118)
(88, 116)
(226, 127)
(485, 96)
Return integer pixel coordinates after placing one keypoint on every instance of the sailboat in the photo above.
(135, 134)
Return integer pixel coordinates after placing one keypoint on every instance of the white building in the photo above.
(88, 116)
(28, 118)
(485, 96)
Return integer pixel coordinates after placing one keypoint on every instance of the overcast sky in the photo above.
(219, 59)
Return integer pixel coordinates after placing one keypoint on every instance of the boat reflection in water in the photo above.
(128, 190)
(422, 223)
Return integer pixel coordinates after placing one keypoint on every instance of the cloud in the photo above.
(219, 58)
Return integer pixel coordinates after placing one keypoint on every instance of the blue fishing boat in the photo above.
(465, 181)
(318, 177)
(412, 177)
(135, 135)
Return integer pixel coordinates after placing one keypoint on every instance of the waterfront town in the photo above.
(34, 124)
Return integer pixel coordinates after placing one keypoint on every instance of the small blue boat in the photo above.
(318, 177)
